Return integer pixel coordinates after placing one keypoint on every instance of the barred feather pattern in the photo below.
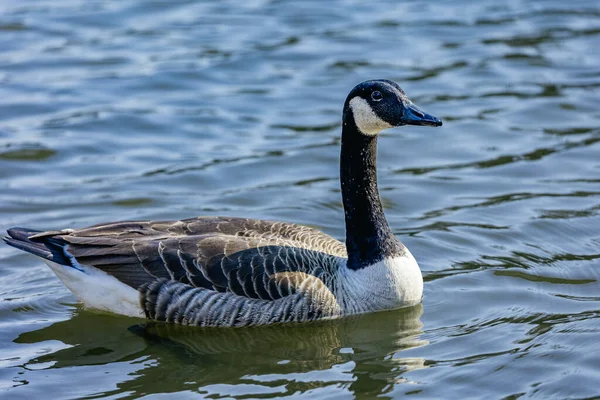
(175, 302)
(215, 271)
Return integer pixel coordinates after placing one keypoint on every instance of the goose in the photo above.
(224, 271)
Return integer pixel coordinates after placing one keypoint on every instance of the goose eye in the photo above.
(376, 95)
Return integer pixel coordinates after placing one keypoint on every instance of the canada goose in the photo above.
(220, 271)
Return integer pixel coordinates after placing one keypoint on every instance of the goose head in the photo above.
(370, 108)
(376, 105)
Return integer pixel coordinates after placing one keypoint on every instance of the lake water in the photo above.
(139, 109)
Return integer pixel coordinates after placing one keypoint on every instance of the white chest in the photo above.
(391, 283)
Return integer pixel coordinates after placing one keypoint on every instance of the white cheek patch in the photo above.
(365, 118)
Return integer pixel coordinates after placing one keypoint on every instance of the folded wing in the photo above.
(243, 256)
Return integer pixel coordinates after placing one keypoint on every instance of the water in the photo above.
(137, 109)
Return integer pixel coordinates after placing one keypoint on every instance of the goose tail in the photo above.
(46, 248)
(95, 288)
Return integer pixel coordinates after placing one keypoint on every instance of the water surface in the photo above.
(161, 110)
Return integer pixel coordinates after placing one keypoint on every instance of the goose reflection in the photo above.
(361, 353)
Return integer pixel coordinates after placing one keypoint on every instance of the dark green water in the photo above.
(136, 109)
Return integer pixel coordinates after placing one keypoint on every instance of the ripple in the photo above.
(546, 279)
(534, 155)
(135, 202)
(308, 128)
(26, 152)
(433, 72)
(13, 26)
(571, 131)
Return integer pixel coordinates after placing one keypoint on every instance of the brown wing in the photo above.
(218, 253)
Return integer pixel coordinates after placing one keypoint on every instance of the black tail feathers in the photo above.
(45, 248)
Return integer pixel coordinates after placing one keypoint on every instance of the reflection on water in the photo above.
(362, 354)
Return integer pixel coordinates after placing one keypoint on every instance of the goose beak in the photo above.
(415, 116)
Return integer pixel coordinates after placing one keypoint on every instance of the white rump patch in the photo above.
(366, 120)
(98, 290)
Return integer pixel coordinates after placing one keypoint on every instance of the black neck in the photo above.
(369, 238)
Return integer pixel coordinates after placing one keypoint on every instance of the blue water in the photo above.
(163, 110)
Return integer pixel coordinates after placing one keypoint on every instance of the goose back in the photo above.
(222, 254)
